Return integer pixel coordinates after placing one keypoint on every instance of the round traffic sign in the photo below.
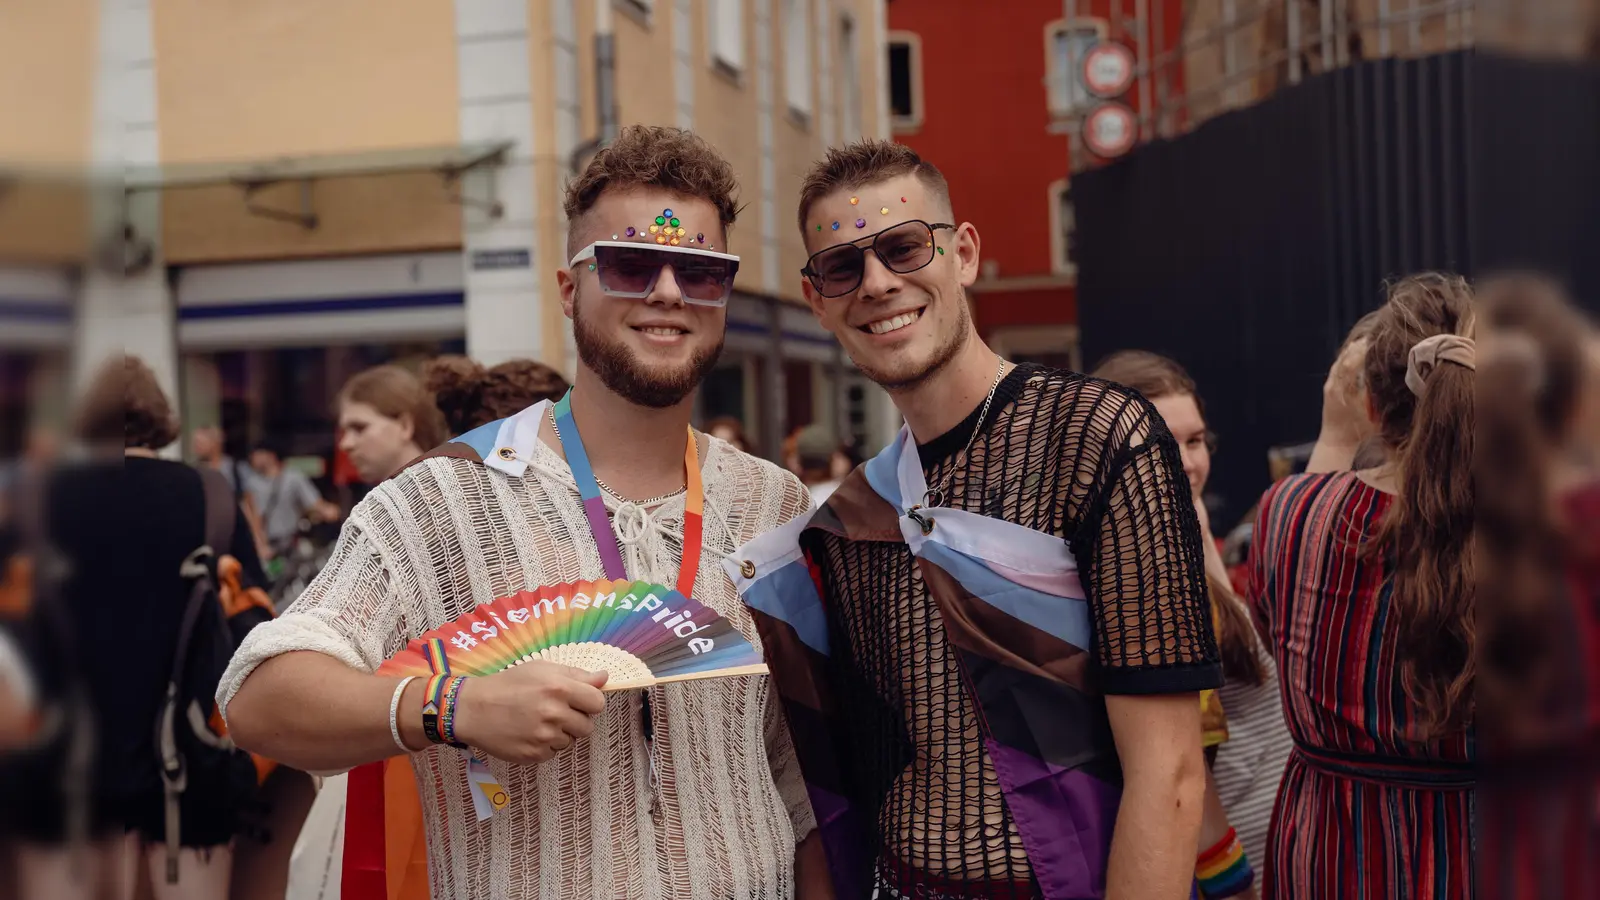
(1110, 131)
(1108, 70)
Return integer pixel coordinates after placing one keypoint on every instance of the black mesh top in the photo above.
(1059, 453)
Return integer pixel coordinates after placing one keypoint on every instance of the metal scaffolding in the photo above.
(1227, 54)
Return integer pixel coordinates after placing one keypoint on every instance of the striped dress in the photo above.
(1366, 810)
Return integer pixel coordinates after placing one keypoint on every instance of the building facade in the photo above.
(996, 101)
(286, 193)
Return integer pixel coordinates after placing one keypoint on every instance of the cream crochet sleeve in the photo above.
(350, 612)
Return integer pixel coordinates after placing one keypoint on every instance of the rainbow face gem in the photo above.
(836, 226)
(700, 238)
(673, 222)
(667, 213)
(660, 220)
(630, 232)
(819, 227)
(884, 211)
(941, 251)
(861, 223)
(902, 199)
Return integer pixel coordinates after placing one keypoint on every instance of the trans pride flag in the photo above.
(1016, 613)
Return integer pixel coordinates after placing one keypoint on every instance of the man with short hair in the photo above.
(283, 496)
(990, 640)
(685, 790)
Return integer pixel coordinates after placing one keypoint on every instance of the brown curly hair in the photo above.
(654, 156)
(125, 403)
(470, 395)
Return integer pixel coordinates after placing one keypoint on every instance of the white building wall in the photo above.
(503, 319)
(133, 314)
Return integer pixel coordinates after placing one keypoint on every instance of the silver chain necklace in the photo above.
(654, 501)
(936, 496)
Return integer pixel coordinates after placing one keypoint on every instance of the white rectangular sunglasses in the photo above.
(631, 269)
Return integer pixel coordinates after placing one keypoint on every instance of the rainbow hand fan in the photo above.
(640, 633)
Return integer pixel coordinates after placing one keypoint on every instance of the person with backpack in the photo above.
(166, 789)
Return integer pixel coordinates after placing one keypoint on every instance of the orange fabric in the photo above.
(16, 587)
(235, 597)
(405, 841)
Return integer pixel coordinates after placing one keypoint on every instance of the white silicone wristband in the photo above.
(394, 714)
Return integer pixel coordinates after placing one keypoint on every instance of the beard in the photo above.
(627, 377)
(909, 375)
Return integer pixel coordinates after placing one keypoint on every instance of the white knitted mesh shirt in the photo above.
(448, 534)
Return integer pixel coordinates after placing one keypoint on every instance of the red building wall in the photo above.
(987, 125)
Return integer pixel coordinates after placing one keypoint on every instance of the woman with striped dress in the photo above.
(1362, 584)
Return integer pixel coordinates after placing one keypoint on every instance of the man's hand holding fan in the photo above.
(528, 713)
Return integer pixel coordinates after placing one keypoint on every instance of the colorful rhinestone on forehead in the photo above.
(836, 226)
(630, 232)
(884, 211)
(861, 223)
(854, 200)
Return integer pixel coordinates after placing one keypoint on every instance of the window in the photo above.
(1063, 229)
(1067, 42)
(726, 21)
(905, 79)
(797, 54)
(850, 70)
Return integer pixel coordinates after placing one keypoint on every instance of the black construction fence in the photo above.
(1247, 248)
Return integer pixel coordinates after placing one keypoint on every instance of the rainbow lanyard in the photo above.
(594, 508)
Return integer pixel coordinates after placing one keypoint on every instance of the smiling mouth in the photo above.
(895, 323)
(660, 330)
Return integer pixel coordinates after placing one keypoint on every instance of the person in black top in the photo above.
(122, 523)
(1055, 452)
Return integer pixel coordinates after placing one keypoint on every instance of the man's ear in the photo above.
(568, 286)
(813, 299)
(967, 245)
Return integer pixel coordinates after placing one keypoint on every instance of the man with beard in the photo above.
(991, 668)
(682, 791)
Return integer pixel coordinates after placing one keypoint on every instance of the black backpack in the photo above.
(191, 752)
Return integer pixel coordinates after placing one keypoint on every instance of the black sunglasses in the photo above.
(902, 248)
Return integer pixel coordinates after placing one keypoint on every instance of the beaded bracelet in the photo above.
(447, 713)
(1223, 870)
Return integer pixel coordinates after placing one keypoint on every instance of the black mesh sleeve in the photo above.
(1146, 569)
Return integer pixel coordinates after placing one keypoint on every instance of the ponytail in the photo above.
(1422, 380)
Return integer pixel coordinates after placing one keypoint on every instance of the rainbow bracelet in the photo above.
(1223, 870)
(447, 713)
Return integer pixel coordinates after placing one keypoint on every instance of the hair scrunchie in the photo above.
(1428, 353)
